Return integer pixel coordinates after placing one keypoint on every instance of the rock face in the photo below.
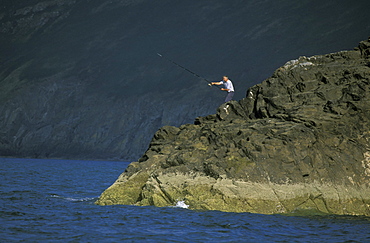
(298, 141)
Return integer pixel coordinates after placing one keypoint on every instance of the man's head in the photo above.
(225, 78)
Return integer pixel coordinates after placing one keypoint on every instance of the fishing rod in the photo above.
(197, 75)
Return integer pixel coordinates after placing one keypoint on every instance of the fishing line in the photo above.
(184, 68)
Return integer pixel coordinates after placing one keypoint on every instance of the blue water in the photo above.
(53, 201)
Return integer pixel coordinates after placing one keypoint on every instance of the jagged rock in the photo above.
(364, 47)
(299, 140)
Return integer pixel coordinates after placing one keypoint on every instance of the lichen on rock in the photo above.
(298, 141)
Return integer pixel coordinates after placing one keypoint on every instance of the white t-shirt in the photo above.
(229, 85)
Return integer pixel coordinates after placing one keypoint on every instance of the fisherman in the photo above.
(228, 87)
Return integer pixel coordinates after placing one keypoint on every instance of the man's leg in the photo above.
(229, 96)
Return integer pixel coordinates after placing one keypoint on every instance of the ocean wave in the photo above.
(71, 199)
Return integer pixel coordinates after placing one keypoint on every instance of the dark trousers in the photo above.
(229, 96)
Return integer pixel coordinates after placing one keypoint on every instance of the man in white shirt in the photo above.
(228, 87)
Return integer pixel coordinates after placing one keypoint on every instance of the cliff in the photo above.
(81, 79)
(298, 141)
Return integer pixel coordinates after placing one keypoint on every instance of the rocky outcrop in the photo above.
(298, 141)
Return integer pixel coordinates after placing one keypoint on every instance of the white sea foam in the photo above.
(181, 204)
(85, 199)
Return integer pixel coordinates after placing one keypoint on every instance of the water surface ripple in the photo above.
(53, 201)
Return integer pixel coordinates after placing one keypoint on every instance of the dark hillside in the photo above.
(81, 79)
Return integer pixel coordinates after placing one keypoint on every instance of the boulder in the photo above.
(298, 141)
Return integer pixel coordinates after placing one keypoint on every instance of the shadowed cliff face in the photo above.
(81, 79)
(298, 141)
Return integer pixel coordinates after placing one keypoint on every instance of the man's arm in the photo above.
(219, 83)
(216, 83)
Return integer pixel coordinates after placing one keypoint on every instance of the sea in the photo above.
(43, 200)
